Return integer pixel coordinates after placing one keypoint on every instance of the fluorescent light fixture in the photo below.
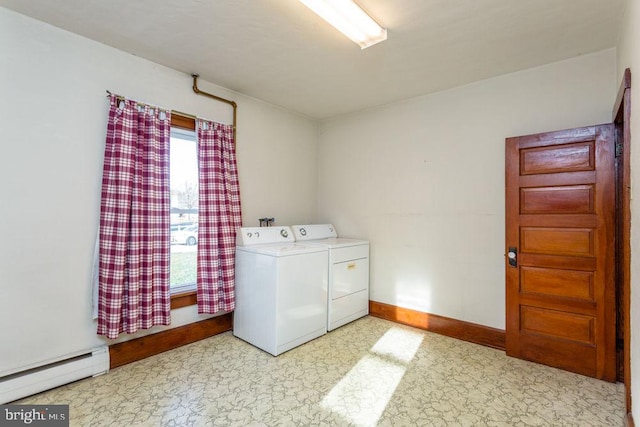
(347, 17)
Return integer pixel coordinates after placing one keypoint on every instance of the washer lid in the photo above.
(314, 231)
(282, 249)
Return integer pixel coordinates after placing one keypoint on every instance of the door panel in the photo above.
(574, 157)
(557, 282)
(560, 218)
(558, 324)
(569, 199)
(557, 241)
(561, 355)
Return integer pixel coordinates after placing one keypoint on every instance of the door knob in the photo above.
(512, 255)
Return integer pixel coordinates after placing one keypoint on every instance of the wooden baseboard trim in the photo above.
(140, 348)
(459, 329)
(628, 422)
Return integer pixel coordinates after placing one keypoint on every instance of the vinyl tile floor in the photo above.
(369, 372)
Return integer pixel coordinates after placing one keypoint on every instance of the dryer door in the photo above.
(349, 277)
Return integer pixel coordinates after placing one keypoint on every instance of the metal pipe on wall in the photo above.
(217, 98)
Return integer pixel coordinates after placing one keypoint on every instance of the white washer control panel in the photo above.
(248, 236)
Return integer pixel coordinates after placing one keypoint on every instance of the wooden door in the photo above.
(560, 238)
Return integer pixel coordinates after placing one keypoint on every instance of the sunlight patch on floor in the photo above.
(398, 344)
(362, 395)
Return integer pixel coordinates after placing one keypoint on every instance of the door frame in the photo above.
(621, 119)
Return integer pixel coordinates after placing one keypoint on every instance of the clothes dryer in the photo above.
(348, 290)
(281, 289)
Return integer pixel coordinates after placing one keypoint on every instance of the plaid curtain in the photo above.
(219, 217)
(134, 249)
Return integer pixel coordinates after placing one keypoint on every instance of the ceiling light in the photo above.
(347, 17)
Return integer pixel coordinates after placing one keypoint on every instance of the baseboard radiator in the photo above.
(38, 379)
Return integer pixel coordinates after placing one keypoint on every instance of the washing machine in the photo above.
(281, 289)
(348, 291)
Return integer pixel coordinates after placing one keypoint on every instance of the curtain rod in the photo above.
(173, 112)
(199, 92)
(217, 98)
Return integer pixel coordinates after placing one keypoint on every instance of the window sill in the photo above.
(183, 299)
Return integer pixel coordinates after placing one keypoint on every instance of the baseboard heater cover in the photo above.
(31, 381)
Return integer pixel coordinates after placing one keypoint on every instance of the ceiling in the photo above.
(280, 52)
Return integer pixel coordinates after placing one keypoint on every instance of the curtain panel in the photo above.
(134, 248)
(219, 217)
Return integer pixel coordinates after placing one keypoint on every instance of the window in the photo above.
(183, 182)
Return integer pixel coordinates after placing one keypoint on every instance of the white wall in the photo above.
(53, 121)
(629, 57)
(424, 180)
